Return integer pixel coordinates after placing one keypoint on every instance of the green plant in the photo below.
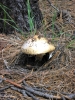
(7, 18)
(53, 26)
(71, 44)
(53, 21)
(30, 17)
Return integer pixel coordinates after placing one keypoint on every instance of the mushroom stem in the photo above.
(39, 57)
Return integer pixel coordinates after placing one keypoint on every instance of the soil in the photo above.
(20, 80)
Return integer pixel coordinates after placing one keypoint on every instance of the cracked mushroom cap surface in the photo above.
(37, 45)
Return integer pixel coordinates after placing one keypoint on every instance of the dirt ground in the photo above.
(55, 79)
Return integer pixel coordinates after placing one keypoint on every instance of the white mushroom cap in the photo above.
(37, 45)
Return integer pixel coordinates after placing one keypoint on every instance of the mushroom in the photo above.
(37, 46)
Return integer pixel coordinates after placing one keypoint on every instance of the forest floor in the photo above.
(55, 79)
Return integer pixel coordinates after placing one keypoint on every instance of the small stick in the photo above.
(52, 5)
(4, 88)
(19, 90)
(71, 96)
(9, 81)
(31, 95)
(41, 94)
(25, 84)
(29, 89)
(25, 78)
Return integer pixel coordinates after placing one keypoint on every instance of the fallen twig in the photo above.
(29, 75)
(31, 95)
(13, 83)
(71, 96)
(41, 94)
(19, 90)
(29, 89)
(4, 88)
(33, 92)
(52, 5)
